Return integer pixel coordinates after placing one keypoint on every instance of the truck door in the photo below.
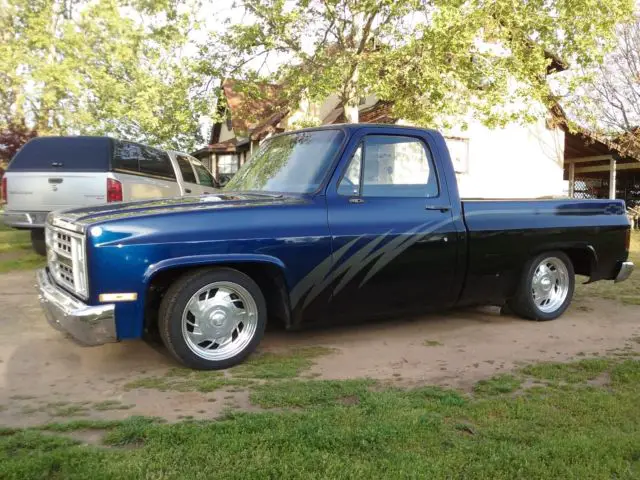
(189, 182)
(393, 239)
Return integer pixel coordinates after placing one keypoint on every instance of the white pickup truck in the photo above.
(56, 173)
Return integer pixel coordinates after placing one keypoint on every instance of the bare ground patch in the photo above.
(39, 368)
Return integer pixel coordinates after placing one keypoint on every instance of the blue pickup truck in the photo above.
(334, 223)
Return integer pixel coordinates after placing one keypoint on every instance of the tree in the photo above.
(436, 60)
(609, 98)
(102, 67)
(12, 137)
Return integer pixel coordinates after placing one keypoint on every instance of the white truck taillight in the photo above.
(114, 190)
(3, 190)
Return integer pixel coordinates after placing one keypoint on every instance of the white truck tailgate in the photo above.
(46, 191)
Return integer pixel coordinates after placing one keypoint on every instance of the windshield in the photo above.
(297, 163)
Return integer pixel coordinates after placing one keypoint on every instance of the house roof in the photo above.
(232, 145)
(581, 142)
(252, 105)
(380, 112)
(268, 125)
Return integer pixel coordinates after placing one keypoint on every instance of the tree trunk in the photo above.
(351, 112)
(350, 98)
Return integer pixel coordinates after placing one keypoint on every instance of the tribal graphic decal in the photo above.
(323, 275)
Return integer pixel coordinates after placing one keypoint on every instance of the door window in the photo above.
(350, 183)
(394, 166)
(187, 171)
(204, 177)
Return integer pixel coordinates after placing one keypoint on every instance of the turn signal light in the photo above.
(114, 190)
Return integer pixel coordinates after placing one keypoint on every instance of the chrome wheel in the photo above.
(219, 321)
(550, 284)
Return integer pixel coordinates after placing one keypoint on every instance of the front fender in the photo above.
(204, 260)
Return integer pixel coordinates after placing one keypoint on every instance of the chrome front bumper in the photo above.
(88, 325)
(25, 219)
(625, 271)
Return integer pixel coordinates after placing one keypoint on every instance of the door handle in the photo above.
(55, 180)
(442, 208)
(356, 200)
(187, 190)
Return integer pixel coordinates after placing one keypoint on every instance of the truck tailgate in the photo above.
(46, 191)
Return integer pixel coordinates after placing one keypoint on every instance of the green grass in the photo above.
(265, 366)
(575, 372)
(357, 429)
(627, 292)
(498, 385)
(182, 380)
(110, 405)
(280, 365)
(311, 393)
(15, 251)
(432, 343)
(71, 410)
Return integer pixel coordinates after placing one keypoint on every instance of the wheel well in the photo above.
(583, 260)
(269, 278)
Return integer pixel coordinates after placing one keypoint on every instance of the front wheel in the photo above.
(546, 287)
(213, 318)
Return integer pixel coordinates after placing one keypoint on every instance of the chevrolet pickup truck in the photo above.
(333, 223)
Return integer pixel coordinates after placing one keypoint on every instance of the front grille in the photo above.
(66, 250)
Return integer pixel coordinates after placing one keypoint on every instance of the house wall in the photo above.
(226, 133)
(518, 161)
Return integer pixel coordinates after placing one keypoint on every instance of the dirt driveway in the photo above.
(44, 377)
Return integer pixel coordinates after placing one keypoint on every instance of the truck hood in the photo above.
(87, 216)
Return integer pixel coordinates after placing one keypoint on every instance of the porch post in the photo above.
(612, 178)
(572, 179)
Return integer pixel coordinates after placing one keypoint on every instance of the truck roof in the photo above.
(349, 128)
(80, 154)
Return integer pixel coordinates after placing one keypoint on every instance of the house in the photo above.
(247, 122)
(517, 161)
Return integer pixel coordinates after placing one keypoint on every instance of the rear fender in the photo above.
(583, 256)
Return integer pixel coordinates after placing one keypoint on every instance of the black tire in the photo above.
(522, 303)
(37, 241)
(175, 301)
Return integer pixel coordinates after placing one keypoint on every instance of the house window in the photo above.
(459, 151)
(227, 164)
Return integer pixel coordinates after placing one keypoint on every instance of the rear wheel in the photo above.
(546, 287)
(37, 241)
(212, 319)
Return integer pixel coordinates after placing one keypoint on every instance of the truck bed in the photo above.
(502, 234)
